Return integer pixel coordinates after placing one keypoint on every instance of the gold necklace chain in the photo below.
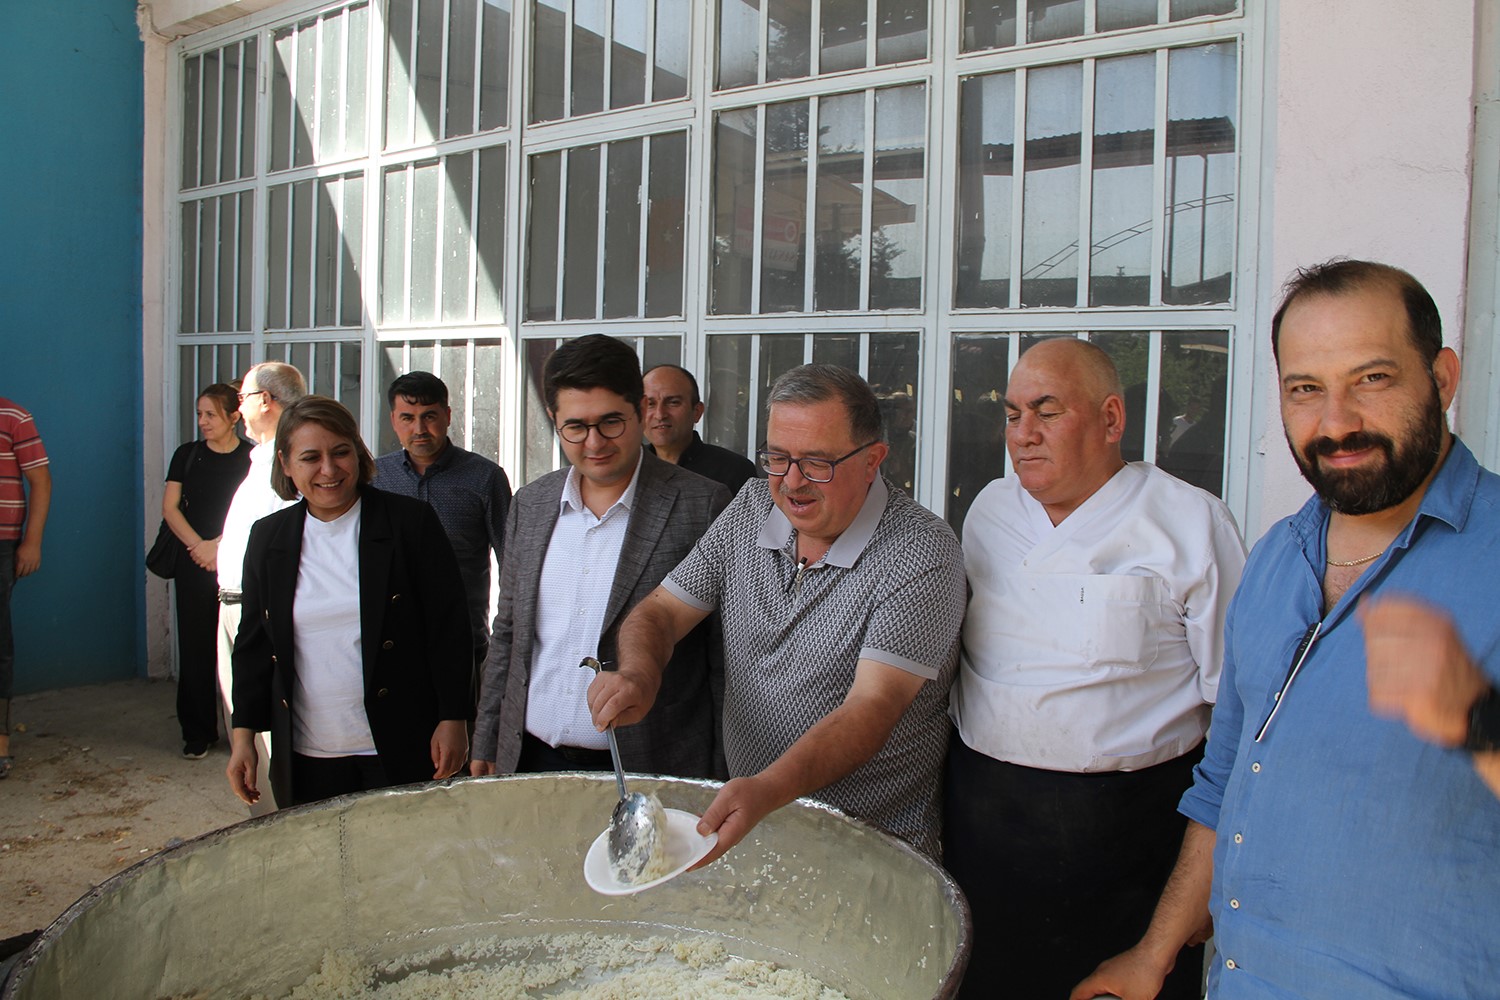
(1356, 562)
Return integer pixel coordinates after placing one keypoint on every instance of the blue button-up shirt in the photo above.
(1352, 859)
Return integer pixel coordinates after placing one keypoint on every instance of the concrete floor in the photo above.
(99, 784)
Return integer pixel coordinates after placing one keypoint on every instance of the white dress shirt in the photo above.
(329, 717)
(577, 575)
(1095, 644)
(252, 501)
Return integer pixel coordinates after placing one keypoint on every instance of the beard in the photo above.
(1355, 492)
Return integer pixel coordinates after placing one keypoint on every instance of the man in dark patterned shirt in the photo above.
(470, 493)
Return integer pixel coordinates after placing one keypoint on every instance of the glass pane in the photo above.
(356, 96)
(896, 216)
(489, 365)
(187, 393)
(306, 80)
(840, 202)
(494, 65)
(734, 211)
(398, 70)
(351, 249)
(423, 357)
(283, 122)
(330, 98)
(229, 105)
(1051, 19)
(541, 247)
(392, 367)
(187, 306)
(627, 57)
(277, 256)
(549, 44)
(622, 230)
(463, 17)
(726, 419)
(840, 349)
(428, 71)
(1124, 141)
(588, 56)
(209, 150)
(191, 72)
(208, 271)
(989, 24)
(458, 195)
(1184, 9)
(901, 31)
(1131, 353)
(895, 369)
(1049, 226)
(739, 43)
(539, 454)
(778, 354)
(660, 351)
(1117, 14)
(300, 263)
(350, 367)
(248, 98)
(674, 24)
(229, 244)
(789, 50)
(489, 235)
(784, 229)
(326, 253)
(453, 369)
(844, 30)
(321, 379)
(665, 224)
(580, 266)
(393, 246)
(1200, 228)
(246, 259)
(986, 170)
(1195, 407)
(976, 419)
(427, 178)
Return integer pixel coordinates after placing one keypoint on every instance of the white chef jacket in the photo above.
(1095, 644)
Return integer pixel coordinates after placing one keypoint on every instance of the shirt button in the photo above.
(1239, 838)
(1255, 767)
(1234, 904)
(388, 644)
(1230, 964)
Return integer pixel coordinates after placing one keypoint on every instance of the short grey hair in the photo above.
(807, 384)
(281, 381)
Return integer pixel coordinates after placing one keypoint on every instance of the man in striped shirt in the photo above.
(23, 465)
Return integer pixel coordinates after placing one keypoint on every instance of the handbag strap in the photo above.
(188, 472)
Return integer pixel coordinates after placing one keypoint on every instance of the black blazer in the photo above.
(414, 633)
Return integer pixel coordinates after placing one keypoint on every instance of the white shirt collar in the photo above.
(572, 494)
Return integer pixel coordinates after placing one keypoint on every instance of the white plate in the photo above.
(684, 845)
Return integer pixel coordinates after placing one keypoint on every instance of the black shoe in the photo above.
(195, 751)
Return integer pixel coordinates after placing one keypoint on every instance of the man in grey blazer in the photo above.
(583, 545)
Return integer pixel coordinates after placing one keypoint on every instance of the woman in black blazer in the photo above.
(354, 650)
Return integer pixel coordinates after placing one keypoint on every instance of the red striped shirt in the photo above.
(20, 449)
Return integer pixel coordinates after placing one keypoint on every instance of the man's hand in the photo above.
(740, 804)
(481, 768)
(28, 557)
(1418, 670)
(450, 747)
(243, 761)
(618, 698)
(1130, 975)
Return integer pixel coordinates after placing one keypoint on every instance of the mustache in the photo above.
(804, 492)
(1353, 441)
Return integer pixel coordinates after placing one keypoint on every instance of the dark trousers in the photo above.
(537, 756)
(1061, 870)
(317, 778)
(197, 653)
(7, 644)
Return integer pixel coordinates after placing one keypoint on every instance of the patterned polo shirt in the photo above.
(471, 495)
(891, 589)
(20, 449)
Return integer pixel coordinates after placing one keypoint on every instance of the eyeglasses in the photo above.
(254, 392)
(577, 432)
(814, 470)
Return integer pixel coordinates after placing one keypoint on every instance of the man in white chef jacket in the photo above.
(1091, 656)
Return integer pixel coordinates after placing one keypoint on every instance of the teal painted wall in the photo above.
(70, 327)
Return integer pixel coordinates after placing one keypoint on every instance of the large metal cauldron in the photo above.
(252, 908)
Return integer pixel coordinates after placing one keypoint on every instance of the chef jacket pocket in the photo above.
(1106, 622)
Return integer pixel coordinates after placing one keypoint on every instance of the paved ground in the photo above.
(99, 784)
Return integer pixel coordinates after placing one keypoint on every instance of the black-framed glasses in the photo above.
(814, 470)
(577, 432)
(254, 392)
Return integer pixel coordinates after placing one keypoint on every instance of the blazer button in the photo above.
(388, 644)
(395, 598)
(266, 614)
(273, 657)
(382, 692)
(284, 704)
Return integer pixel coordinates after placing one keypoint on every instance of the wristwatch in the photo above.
(1484, 724)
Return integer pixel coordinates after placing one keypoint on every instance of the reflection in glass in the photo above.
(329, 43)
(726, 421)
(901, 31)
(989, 24)
(392, 247)
(844, 30)
(778, 354)
(453, 369)
(986, 170)
(398, 70)
(1048, 20)
(1202, 96)
(549, 36)
(489, 366)
(1184, 9)
(1124, 143)
(580, 277)
(1130, 350)
(541, 232)
(896, 216)
(784, 227)
(627, 59)
(494, 64)
(665, 224)
(674, 25)
(734, 211)
(489, 236)
(1117, 14)
(426, 183)
(283, 121)
(356, 71)
(588, 57)
(976, 419)
(739, 43)
(840, 202)
(539, 454)
(789, 39)
(840, 349)
(463, 26)
(895, 366)
(622, 229)
(1049, 226)
(1194, 407)
(428, 72)
(458, 193)
(304, 84)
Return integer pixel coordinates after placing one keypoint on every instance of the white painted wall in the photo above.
(1369, 135)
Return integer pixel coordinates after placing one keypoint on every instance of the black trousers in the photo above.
(537, 757)
(197, 653)
(1061, 870)
(317, 778)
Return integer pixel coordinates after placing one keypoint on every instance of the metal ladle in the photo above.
(633, 834)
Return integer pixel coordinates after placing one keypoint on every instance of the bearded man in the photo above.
(1344, 825)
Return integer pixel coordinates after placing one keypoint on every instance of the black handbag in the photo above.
(165, 553)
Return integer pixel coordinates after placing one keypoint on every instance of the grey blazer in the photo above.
(681, 734)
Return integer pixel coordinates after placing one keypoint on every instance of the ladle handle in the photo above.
(614, 747)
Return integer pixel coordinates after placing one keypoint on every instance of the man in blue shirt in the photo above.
(1344, 830)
